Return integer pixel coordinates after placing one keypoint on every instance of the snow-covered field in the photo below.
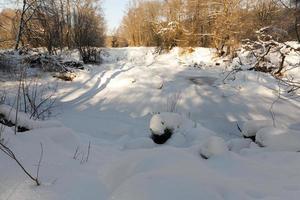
(112, 105)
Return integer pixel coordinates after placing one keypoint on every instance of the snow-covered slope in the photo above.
(111, 106)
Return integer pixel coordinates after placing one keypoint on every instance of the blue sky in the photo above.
(114, 11)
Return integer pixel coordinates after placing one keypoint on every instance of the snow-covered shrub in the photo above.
(279, 139)
(163, 125)
(45, 62)
(52, 63)
(24, 121)
(272, 33)
(213, 146)
(251, 127)
(177, 130)
(9, 61)
(268, 55)
(37, 99)
(90, 55)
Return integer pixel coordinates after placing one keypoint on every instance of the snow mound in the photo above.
(237, 144)
(24, 120)
(160, 173)
(251, 127)
(279, 139)
(213, 146)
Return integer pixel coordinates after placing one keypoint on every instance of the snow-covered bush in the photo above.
(213, 146)
(9, 60)
(52, 63)
(90, 55)
(268, 55)
(37, 99)
(177, 130)
(163, 125)
(279, 139)
(251, 127)
(24, 120)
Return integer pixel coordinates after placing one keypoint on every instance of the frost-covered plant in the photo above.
(173, 101)
(37, 99)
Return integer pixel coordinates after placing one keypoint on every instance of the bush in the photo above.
(90, 55)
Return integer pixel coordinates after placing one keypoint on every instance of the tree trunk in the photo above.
(21, 26)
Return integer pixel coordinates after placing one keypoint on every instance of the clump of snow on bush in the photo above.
(279, 139)
(162, 126)
(160, 122)
(213, 146)
(237, 144)
(251, 127)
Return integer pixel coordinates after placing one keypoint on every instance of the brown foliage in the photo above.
(219, 23)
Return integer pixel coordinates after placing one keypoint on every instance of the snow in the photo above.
(279, 139)
(114, 105)
(185, 131)
(213, 146)
(162, 121)
(251, 127)
(24, 120)
(237, 144)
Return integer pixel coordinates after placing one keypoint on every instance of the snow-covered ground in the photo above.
(111, 106)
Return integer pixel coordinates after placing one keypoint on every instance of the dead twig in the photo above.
(5, 149)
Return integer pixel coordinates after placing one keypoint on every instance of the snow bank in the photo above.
(251, 127)
(279, 139)
(24, 120)
(213, 146)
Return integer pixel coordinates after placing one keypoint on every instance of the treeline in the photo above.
(54, 24)
(209, 23)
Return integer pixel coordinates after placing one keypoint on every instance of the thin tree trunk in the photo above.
(21, 25)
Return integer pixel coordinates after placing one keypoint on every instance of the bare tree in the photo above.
(293, 6)
(89, 30)
(27, 12)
